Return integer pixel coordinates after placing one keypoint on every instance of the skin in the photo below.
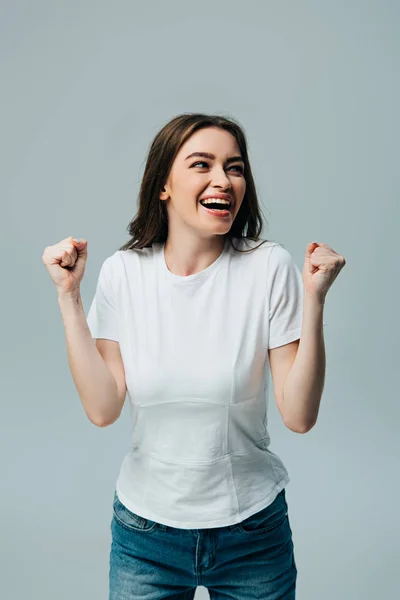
(195, 238)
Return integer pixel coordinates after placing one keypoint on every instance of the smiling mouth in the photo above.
(222, 213)
(216, 204)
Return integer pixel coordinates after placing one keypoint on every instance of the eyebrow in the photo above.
(212, 157)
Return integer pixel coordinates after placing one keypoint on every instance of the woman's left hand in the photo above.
(321, 267)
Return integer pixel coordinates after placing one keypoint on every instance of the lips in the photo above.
(216, 195)
(218, 212)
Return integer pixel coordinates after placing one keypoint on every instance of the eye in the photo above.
(202, 162)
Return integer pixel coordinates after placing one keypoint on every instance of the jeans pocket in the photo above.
(130, 520)
(267, 518)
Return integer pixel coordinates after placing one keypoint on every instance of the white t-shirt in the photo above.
(195, 353)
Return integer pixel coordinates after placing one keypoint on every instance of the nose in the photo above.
(221, 180)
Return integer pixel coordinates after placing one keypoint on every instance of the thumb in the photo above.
(80, 244)
(309, 250)
(81, 247)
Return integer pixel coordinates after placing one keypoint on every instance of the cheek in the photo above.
(240, 191)
(240, 184)
(191, 187)
(239, 204)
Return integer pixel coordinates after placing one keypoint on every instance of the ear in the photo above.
(164, 194)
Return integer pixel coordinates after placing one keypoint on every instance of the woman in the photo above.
(186, 317)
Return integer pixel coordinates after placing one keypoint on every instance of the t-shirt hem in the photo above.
(289, 336)
(103, 335)
(205, 524)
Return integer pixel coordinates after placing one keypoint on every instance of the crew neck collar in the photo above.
(188, 279)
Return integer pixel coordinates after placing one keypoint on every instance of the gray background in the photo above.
(85, 87)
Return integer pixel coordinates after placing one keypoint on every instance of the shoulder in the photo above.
(248, 247)
(135, 253)
(122, 263)
(111, 267)
(280, 258)
(122, 257)
(268, 257)
(268, 251)
(110, 263)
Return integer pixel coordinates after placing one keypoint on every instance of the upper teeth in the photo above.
(217, 200)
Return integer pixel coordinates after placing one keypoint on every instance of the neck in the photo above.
(189, 255)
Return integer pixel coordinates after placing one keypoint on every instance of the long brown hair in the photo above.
(150, 224)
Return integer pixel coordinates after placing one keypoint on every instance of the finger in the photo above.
(66, 259)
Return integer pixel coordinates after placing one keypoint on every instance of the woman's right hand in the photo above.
(65, 263)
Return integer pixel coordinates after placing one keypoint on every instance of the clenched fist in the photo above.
(65, 263)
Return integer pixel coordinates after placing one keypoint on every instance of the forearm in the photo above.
(93, 379)
(305, 382)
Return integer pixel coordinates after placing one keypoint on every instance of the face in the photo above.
(192, 178)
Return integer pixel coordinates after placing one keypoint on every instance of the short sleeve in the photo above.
(285, 298)
(102, 315)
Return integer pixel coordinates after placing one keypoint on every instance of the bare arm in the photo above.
(304, 384)
(97, 387)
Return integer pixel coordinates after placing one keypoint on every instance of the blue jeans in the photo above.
(251, 560)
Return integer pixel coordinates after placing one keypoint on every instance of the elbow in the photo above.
(300, 428)
(101, 421)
